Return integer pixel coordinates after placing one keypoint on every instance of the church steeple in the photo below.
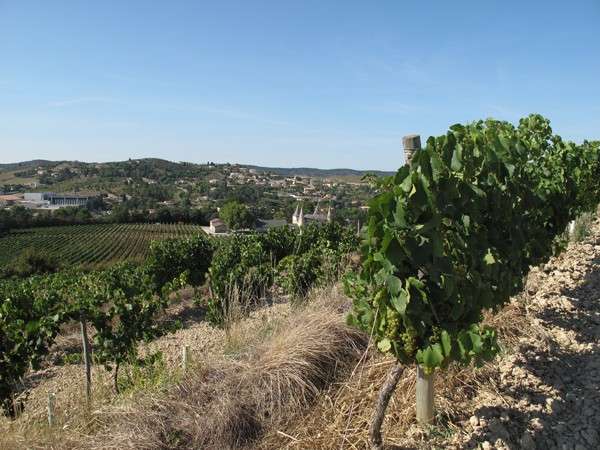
(329, 215)
(317, 207)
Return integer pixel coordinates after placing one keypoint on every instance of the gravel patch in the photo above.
(548, 389)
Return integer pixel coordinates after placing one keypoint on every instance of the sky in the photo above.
(283, 83)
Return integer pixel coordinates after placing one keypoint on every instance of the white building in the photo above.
(318, 216)
(217, 226)
(54, 199)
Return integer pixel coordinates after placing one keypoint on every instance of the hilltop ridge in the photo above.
(285, 171)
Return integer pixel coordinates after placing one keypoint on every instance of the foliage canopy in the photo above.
(456, 231)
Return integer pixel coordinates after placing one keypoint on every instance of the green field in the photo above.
(91, 245)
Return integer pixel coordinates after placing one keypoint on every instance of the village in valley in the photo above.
(151, 190)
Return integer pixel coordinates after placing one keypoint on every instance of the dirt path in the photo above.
(549, 391)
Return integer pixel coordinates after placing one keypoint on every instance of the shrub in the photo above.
(170, 258)
(296, 274)
(243, 266)
(582, 227)
(240, 267)
(280, 242)
(30, 315)
(31, 262)
(454, 233)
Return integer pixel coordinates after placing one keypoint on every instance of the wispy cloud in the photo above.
(82, 100)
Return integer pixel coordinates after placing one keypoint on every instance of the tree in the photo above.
(83, 215)
(163, 215)
(237, 215)
(120, 214)
(96, 204)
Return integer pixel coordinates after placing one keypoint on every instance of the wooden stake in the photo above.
(424, 397)
(85, 343)
(571, 228)
(51, 398)
(185, 357)
(411, 144)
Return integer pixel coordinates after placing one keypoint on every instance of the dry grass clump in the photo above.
(73, 419)
(230, 403)
(342, 415)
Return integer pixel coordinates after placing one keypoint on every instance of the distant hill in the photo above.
(162, 164)
(313, 172)
(28, 164)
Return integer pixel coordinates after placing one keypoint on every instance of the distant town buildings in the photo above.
(217, 226)
(319, 216)
(42, 199)
(263, 225)
(10, 199)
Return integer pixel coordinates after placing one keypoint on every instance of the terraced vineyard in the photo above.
(91, 245)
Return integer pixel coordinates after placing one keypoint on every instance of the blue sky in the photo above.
(285, 83)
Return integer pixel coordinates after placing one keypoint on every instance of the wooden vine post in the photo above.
(411, 144)
(51, 402)
(85, 342)
(424, 397)
(571, 229)
(185, 357)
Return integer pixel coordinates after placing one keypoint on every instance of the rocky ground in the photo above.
(548, 392)
(543, 392)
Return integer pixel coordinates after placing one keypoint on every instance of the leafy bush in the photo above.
(329, 235)
(127, 314)
(240, 267)
(296, 274)
(244, 265)
(170, 258)
(31, 262)
(280, 242)
(30, 316)
(120, 304)
(455, 232)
